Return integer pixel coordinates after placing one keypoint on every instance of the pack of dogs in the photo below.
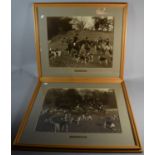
(62, 123)
(83, 51)
(54, 53)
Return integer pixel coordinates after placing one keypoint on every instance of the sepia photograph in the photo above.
(79, 111)
(80, 41)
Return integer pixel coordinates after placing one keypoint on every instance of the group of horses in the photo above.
(83, 51)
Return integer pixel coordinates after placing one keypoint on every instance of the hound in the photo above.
(90, 57)
(83, 117)
(89, 118)
(114, 117)
(58, 53)
(112, 125)
(75, 119)
(78, 120)
(102, 60)
(56, 125)
(81, 58)
(52, 54)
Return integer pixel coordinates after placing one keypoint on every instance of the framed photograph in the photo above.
(80, 41)
(80, 102)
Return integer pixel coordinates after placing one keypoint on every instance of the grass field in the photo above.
(65, 60)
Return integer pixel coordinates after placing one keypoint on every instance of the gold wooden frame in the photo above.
(41, 79)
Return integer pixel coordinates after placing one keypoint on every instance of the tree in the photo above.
(78, 23)
(102, 23)
(58, 25)
(97, 23)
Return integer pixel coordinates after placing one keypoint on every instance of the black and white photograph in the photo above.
(79, 110)
(80, 41)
